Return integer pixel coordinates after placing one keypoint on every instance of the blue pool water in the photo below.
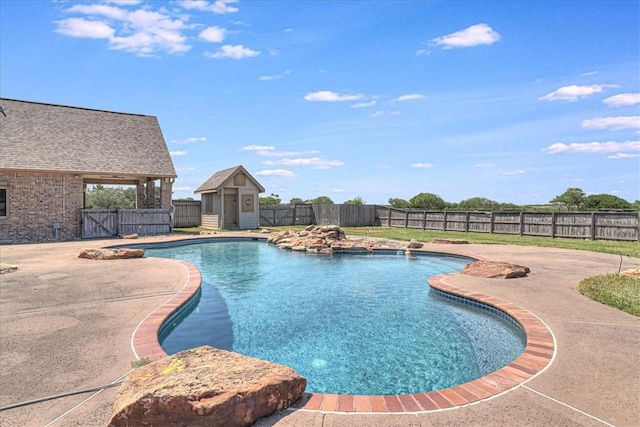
(350, 324)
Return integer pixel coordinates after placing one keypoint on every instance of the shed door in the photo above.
(230, 211)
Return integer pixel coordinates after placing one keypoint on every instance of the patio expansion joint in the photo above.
(566, 405)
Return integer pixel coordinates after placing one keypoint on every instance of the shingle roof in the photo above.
(46, 137)
(219, 178)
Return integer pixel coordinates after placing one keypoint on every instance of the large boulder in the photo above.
(205, 386)
(123, 253)
(495, 270)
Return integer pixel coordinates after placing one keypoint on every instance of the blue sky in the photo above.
(515, 101)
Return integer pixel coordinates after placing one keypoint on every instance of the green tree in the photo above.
(594, 202)
(479, 203)
(355, 201)
(101, 197)
(573, 197)
(399, 203)
(295, 201)
(636, 205)
(322, 200)
(427, 201)
(273, 199)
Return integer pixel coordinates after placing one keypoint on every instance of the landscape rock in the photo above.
(450, 241)
(632, 272)
(205, 386)
(7, 268)
(123, 253)
(495, 270)
(414, 244)
(130, 236)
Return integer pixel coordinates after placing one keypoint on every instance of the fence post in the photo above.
(553, 224)
(593, 226)
(389, 218)
(521, 223)
(491, 223)
(406, 219)
(424, 220)
(466, 222)
(444, 221)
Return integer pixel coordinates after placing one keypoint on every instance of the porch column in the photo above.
(166, 191)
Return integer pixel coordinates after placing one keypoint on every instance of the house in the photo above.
(229, 200)
(50, 153)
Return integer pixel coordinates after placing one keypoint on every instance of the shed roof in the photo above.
(217, 180)
(47, 137)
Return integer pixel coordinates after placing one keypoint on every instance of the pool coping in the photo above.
(538, 355)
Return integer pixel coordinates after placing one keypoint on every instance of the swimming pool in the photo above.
(349, 324)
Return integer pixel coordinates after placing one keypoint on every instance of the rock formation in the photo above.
(205, 387)
(495, 269)
(123, 253)
(321, 239)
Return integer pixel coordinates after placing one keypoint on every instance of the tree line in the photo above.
(571, 199)
(106, 197)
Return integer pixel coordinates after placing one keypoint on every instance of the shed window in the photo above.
(240, 180)
(3, 202)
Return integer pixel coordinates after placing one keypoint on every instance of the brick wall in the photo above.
(35, 201)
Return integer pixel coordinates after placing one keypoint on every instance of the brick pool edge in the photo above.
(537, 356)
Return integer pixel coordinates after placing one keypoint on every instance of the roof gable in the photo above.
(217, 180)
(46, 137)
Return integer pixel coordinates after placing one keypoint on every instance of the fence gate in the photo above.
(99, 223)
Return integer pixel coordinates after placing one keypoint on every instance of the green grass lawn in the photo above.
(614, 290)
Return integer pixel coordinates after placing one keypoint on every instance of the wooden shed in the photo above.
(50, 153)
(229, 200)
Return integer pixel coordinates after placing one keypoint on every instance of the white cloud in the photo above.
(623, 156)
(409, 97)
(479, 34)
(142, 31)
(185, 169)
(513, 173)
(259, 148)
(573, 92)
(623, 99)
(191, 140)
(364, 104)
(613, 123)
(275, 76)
(218, 6)
(79, 27)
(313, 162)
(337, 190)
(213, 34)
(276, 172)
(485, 165)
(422, 165)
(328, 96)
(99, 10)
(124, 2)
(423, 52)
(592, 147)
(234, 52)
(177, 153)
(589, 73)
(385, 113)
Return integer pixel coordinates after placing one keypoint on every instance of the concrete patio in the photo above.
(66, 324)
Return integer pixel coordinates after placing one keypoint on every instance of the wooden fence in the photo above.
(282, 215)
(624, 226)
(105, 223)
(321, 214)
(186, 213)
